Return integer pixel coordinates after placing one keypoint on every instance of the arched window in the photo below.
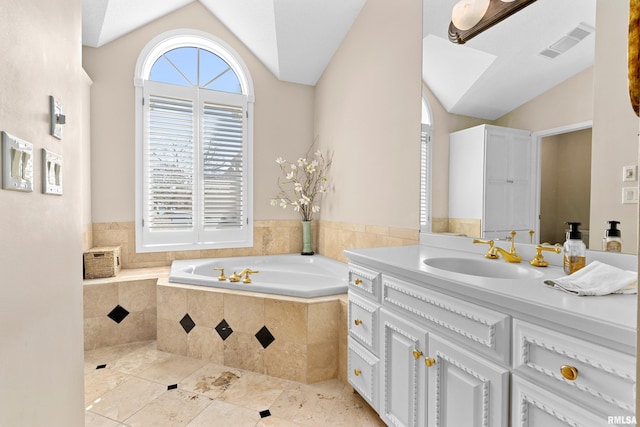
(425, 167)
(194, 114)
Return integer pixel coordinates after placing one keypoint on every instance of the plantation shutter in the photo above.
(169, 164)
(425, 178)
(224, 164)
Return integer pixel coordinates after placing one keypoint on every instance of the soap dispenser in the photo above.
(575, 251)
(612, 241)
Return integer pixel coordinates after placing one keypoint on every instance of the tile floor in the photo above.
(136, 385)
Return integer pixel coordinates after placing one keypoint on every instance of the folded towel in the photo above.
(598, 279)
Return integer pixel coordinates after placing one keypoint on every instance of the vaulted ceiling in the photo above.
(489, 76)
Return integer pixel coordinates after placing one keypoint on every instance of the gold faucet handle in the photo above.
(491, 253)
(222, 277)
(538, 260)
(513, 242)
(247, 272)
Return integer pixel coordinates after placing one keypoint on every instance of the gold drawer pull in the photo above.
(358, 322)
(357, 281)
(357, 372)
(429, 361)
(417, 354)
(569, 372)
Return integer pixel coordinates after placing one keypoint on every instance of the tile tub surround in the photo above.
(271, 237)
(286, 337)
(120, 309)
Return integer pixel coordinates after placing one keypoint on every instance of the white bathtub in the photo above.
(290, 275)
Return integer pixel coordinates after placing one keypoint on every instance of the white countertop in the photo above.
(609, 320)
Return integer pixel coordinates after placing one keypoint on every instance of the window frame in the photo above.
(148, 56)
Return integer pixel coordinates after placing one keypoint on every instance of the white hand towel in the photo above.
(598, 279)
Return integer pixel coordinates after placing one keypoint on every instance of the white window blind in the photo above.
(425, 178)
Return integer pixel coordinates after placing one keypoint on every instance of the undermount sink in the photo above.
(496, 269)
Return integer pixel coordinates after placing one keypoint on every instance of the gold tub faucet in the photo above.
(246, 272)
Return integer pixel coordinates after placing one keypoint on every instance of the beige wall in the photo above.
(41, 359)
(565, 191)
(367, 109)
(444, 123)
(283, 117)
(615, 125)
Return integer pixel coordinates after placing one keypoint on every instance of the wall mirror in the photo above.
(503, 77)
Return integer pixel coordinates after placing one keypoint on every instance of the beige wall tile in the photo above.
(99, 299)
(322, 361)
(137, 295)
(171, 337)
(172, 302)
(100, 332)
(288, 360)
(138, 326)
(206, 308)
(287, 320)
(205, 343)
(323, 321)
(242, 350)
(244, 313)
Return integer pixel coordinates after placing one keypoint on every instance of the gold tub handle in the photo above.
(569, 372)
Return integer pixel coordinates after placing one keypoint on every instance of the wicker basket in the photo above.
(102, 262)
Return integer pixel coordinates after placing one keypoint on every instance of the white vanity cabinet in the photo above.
(362, 345)
(425, 354)
(492, 182)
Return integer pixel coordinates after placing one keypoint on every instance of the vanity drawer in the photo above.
(479, 328)
(363, 321)
(364, 281)
(363, 372)
(589, 372)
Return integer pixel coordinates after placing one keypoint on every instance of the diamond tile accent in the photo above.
(187, 323)
(118, 313)
(264, 337)
(172, 387)
(265, 413)
(224, 330)
(101, 366)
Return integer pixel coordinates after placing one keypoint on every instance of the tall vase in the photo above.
(306, 238)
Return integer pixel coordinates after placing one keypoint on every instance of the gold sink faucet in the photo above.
(494, 251)
(538, 260)
(491, 252)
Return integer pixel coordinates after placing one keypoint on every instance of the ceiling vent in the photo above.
(567, 42)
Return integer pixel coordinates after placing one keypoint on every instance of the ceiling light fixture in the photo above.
(471, 17)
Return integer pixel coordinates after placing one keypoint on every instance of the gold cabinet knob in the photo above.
(417, 354)
(357, 372)
(357, 281)
(429, 361)
(358, 322)
(569, 372)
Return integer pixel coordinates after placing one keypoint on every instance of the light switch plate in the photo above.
(629, 195)
(51, 173)
(630, 173)
(17, 163)
(56, 111)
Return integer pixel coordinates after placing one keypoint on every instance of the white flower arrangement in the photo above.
(304, 183)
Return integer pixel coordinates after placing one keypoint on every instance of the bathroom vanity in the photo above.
(491, 346)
